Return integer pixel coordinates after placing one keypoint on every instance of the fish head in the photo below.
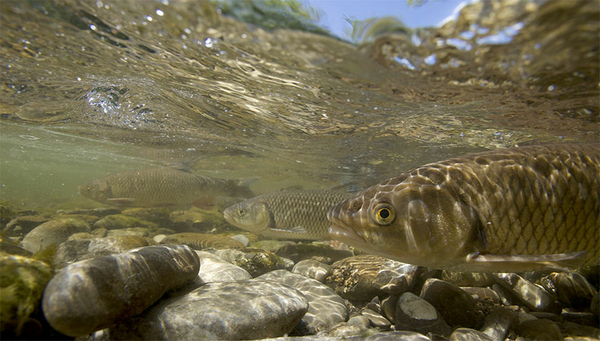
(412, 222)
(252, 215)
(98, 190)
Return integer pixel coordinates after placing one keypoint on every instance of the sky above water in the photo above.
(431, 13)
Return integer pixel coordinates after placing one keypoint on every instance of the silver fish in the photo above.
(161, 187)
(507, 210)
(293, 214)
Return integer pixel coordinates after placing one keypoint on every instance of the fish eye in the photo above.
(241, 211)
(384, 214)
(89, 187)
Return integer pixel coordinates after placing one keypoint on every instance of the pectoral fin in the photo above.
(520, 263)
(295, 229)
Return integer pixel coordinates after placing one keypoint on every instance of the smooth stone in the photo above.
(468, 279)
(158, 215)
(198, 220)
(506, 297)
(365, 276)
(539, 330)
(578, 330)
(359, 321)
(121, 221)
(74, 250)
(94, 294)
(356, 326)
(533, 296)
(498, 322)
(416, 314)
(159, 238)
(376, 319)
(468, 334)
(455, 305)
(242, 239)
(312, 269)
(226, 310)
(583, 318)
(483, 294)
(325, 309)
(571, 289)
(397, 335)
(131, 231)
(53, 232)
(255, 261)
(215, 269)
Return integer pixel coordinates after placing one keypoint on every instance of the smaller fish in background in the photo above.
(288, 214)
(162, 187)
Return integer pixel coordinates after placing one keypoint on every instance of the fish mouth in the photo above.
(339, 230)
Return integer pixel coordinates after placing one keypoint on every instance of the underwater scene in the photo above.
(230, 169)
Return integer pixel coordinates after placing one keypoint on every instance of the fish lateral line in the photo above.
(295, 229)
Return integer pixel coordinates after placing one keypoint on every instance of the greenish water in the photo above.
(91, 88)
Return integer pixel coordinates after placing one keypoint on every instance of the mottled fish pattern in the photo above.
(291, 214)
(160, 187)
(514, 209)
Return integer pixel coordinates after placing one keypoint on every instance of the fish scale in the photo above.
(513, 209)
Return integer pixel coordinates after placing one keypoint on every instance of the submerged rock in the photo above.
(75, 250)
(23, 225)
(498, 322)
(255, 261)
(416, 314)
(318, 251)
(571, 289)
(312, 269)
(215, 269)
(468, 334)
(228, 311)
(22, 282)
(325, 309)
(121, 221)
(53, 232)
(363, 277)
(541, 329)
(94, 294)
(533, 296)
(455, 305)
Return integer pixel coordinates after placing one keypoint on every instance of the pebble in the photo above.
(376, 319)
(468, 334)
(121, 221)
(397, 335)
(255, 261)
(416, 314)
(365, 276)
(498, 322)
(242, 239)
(455, 305)
(312, 269)
(483, 294)
(53, 232)
(215, 269)
(533, 296)
(539, 329)
(22, 282)
(94, 294)
(356, 325)
(74, 250)
(571, 289)
(388, 307)
(226, 310)
(202, 241)
(326, 308)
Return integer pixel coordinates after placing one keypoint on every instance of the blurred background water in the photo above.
(260, 88)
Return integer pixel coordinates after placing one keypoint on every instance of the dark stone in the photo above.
(455, 305)
(94, 294)
(571, 289)
(498, 322)
(533, 296)
(467, 334)
(539, 330)
(416, 314)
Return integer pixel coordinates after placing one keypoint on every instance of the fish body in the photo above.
(160, 187)
(291, 214)
(507, 210)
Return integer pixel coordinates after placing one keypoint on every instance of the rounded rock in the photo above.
(94, 294)
(455, 305)
(53, 232)
(416, 314)
(312, 269)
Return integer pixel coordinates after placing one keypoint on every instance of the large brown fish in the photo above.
(291, 214)
(161, 187)
(505, 210)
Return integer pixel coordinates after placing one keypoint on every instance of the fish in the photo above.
(287, 214)
(162, 186)
(506, 210)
